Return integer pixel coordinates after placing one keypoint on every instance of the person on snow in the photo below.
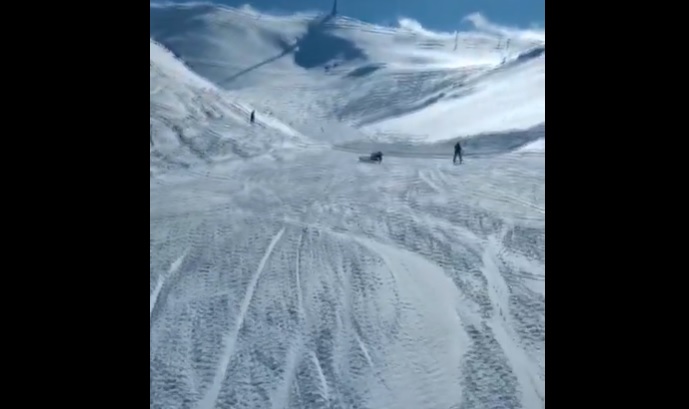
(458, 153)
(253, 115)
(377, 156)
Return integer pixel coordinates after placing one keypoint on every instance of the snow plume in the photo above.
(414, 26)
(481, 23)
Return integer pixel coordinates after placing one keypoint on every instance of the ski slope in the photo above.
(286, 274)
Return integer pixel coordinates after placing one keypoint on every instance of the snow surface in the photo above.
(286, 274)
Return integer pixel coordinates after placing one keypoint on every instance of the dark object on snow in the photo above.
(253, 115)
(458, 153)
(374, 157)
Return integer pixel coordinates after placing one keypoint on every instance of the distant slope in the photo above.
(484, 144)
(391, 81)
(193, 122)
(507, 99)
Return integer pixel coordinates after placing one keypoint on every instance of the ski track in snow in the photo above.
(344, 314)
(209, 400)
(161, 281)
(286, 274)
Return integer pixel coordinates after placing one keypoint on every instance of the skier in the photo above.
(377, 156)
(458, 153)
(252, 116)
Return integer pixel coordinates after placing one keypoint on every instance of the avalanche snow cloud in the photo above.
(286, 274)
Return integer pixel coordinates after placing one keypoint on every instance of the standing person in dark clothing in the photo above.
(458, 153)
(253, 116)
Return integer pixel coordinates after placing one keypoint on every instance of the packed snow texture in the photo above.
(284, 273)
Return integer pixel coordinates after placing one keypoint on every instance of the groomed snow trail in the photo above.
(286, 274)
(382, 290)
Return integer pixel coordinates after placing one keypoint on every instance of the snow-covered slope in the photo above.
(194, 122)
(286, 274)
(335, 67)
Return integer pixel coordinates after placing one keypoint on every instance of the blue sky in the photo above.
(442, 15)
